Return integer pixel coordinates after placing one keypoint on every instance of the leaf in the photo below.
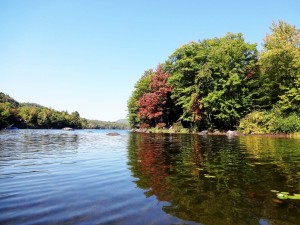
(285, 195)
(282, 196)
(294, 197)
(209, 176)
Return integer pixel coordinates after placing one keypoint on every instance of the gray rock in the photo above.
(113, 134)
(204, 132)
(231, 133)
(217, 131)
(68, 128)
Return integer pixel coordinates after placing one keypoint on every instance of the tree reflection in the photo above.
(150, 165)
(216, 180)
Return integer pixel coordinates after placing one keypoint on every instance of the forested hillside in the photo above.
(32, 115)
(224, 83)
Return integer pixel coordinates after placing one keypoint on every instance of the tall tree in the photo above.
(280, 63)
(156, 105)
(183, 65)
(230, 69)
(212, 79)
(8, 114)
(140, 88)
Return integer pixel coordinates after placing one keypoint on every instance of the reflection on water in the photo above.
(87, 177)
(216, 180)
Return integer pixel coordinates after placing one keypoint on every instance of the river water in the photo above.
(87, 177)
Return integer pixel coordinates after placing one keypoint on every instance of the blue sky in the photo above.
(87, 55)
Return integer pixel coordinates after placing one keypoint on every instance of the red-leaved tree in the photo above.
(154, 105)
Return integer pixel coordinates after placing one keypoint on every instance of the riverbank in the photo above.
(211, 133)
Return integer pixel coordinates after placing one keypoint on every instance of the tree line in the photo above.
(98, 124)
(31, 115)
(224, 83)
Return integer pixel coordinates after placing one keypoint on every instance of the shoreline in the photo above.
(228, 133)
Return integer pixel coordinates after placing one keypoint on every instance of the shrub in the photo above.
(256, 122)
(184, 131)
(177, 126)
(288, 124)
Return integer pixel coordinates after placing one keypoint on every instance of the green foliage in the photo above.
(43, 117)
(141, 87)
(233, 65)
(217, 82)
(289, 124)
(269, 122)
(280, 67)
(183, 65)
(8, 114)
(280, 83)
(97, 124)
(184, 131)
(212, 79)
(257, 122)
(6, 98)
(32, 115)
(177, 127)
(290, 101)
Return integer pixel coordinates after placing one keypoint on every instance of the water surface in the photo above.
(87, 177)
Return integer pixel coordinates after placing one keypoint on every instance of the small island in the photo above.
(223, 84)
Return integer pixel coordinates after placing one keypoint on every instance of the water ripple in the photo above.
(86, 177)
(58, 177)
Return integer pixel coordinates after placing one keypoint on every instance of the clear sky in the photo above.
(86, 55)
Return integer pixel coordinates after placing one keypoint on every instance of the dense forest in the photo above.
(31, 115)
(224, 83)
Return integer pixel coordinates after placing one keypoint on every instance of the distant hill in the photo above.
(125, 121)
(6, 98)
(32, 115)
(29, 104)
(98, 124)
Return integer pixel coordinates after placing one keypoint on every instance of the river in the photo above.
(88, 177)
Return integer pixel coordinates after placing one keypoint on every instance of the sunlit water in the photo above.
(87, 177)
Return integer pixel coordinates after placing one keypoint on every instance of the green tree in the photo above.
(140, 88)
(32, 115)
(6, 98)
(58, 119)
(75, 120)
(280, 64)
(230, 68)
(183, 65)
(44, 118)
(29, 116)
(213, 80)
(8, 114)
